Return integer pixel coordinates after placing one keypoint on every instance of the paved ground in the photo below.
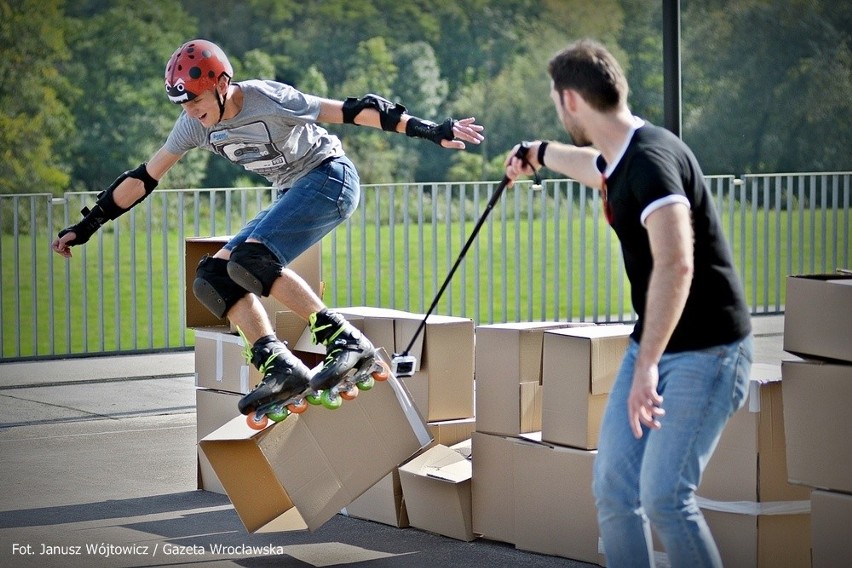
(98, 469)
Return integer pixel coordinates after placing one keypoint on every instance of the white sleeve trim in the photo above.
(660, 203)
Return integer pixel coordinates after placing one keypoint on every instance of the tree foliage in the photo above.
(769, 90)
(119, 57)
(36, 122)
(765, 84)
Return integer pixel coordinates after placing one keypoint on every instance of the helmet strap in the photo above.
(220, 99)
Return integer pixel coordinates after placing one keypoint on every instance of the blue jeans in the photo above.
(652, 481)
(303, 214)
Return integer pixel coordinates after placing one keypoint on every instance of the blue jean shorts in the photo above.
(303, 214)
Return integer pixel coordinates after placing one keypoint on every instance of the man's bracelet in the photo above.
(542, 148)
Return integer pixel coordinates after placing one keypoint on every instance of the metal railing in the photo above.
(541, 255)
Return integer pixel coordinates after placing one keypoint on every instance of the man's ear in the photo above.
(570, 99)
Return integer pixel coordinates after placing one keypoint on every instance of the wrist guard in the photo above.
(417, 128)
(105, 208)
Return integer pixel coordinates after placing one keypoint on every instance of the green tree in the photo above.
(419, 83)
(420, 87)
(372, 151)
(766, 85)
(119, 55)
(642, 42)
(313, 81)
(36, 125)
(514, 104)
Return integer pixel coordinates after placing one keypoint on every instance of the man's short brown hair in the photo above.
(587, 67)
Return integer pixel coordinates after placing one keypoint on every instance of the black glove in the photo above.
(83, 231)
(417, 128)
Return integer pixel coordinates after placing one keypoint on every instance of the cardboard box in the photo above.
(451, 432)
(307, 265)
(817, 322)
(214, 409)
(219, 361)
(288, 326)
(508, 372)
(448, 359)
(580, 365)
(442, 386)
(511, 352)
(750, 462)
(817, 425)
(382, 503)
(831, 517)
(436, 488)
(762, 540)
(315, 463)
(493, 487)
(555, 511)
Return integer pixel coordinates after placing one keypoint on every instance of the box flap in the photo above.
(455, 472)
(440, 462)
(465, 448)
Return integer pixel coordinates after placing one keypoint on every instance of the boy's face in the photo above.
(204, 108)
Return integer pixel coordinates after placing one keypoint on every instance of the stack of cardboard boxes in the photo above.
(817, 396)
(513, 462)
(533, 456)
(541, 389)
(756, 516)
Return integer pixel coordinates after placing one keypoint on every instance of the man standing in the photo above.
(269, 128)
(686, 369)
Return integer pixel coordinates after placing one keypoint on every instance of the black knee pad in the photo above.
(254, 267)
(214, 288)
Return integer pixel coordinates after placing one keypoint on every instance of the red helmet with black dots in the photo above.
(194, 68)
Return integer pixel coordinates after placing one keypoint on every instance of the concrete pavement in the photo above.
(98, 469)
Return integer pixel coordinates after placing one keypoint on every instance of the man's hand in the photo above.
(644, 404)
(519, 163)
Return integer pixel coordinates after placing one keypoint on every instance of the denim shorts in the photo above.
(307, 211)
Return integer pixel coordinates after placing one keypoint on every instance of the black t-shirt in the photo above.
(657, 168)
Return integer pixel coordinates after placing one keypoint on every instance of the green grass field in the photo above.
(545, 273)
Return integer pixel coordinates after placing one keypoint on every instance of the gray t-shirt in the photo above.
(275, 133)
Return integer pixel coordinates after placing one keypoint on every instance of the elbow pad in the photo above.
(389, 113)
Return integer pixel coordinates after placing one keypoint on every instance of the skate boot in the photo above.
(346, 349)
(284, 375)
